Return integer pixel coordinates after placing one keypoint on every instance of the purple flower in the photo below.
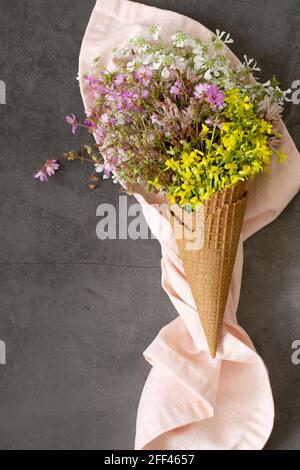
(88, 123)
(89, 80)
(103, 168)
(144, 75)
(104, 119)
(106, 172)
(48, 169)
(120, 79)
(214, 96)
(176, 89)
(145, 94)
(73, 122)
(100, 133)
(200, 90)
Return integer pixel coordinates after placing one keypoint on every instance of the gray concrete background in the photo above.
(77, 313)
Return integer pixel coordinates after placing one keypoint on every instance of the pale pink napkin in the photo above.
(191, 401)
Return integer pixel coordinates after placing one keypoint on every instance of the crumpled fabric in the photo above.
(191, 401)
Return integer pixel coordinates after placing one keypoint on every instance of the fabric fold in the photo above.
(191, 401)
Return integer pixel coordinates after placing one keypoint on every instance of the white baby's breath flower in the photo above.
(208, 75)
(154, 32)
(198, 61)
(121, 52)
(180, 63)
(180, 39)
(197, 50)
(165, 73)
(147, 59)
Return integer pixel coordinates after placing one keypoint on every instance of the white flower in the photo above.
(198, 61)
(180, 39)
(180, 63)
(197, 50)
(165, 73)
(154, 32)
(130, 65)
(224, 37)
(208, 75)
(147, 59)
(121, 52)
(99, 168)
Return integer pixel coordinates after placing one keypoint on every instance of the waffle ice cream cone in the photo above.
(215, 230)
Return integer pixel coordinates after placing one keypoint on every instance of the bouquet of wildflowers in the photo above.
(177, 117)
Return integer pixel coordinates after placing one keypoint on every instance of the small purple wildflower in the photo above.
(71, 119)
(144, 75)
(48, 169)
(145, 94)
(200, 90)
(104, 119)
(100, 133)
(120, 79)
(88, 122)
(214, 96)
(176, 89)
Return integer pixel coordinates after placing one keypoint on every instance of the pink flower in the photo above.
(48, 169)
(176, 89)
(104, 119)
(212, 94)
(144, 75)
(120, 79)
(100, 133)
(200, 90)
(145, 94)
(73, 122)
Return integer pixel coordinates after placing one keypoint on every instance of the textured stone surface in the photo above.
(77, 313)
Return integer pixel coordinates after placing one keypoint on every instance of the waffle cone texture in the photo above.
(209, 268)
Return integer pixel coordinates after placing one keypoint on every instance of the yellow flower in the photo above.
(187, 159)
(171, 164)
(226, 127)
(231, 166)
(205, 129)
